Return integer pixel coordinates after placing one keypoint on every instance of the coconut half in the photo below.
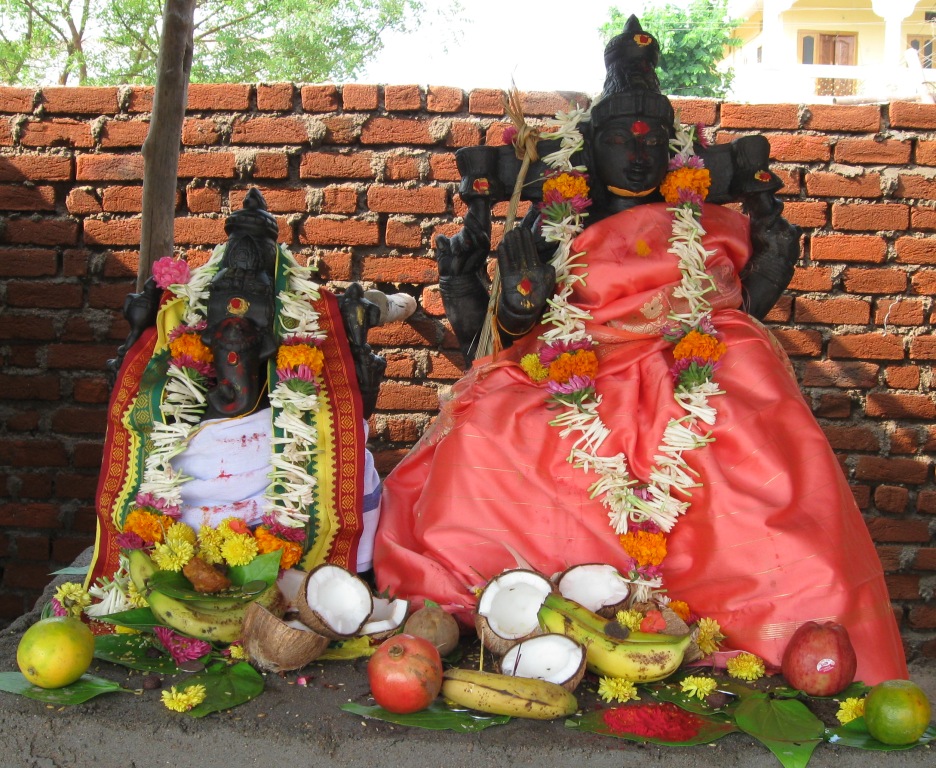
(556, 658)
(507, 608)
(290, 583)
(386, 618)
(334, 602)
(599, 587)
(275, 645)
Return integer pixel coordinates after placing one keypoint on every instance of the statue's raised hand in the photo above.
(465, 253)
(526, 282)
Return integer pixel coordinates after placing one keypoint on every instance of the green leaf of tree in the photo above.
(226, 686)
(84, 688)
(855, 734)
(785, 726)
(437, 717)
(133, 652)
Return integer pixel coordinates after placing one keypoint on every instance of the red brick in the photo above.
(873, 151)
(693, 111)
(197, 231)
(444, 99)
(394, 269)
(341, 129)
(397, 130)
(276, 97)
(90, 390)
(925, 152)
(798, 343)
(401, 167)
(210, 165)
(899, 312)
(269, 130)
(403, 397)
(894, 405)
(806, 214)
(872, 281)
(923, 282)
(402, 98)
(35, 168)
(413, 333)
(346, 232)
(463, 134)
(864, 248)
(39, 232)
(915, 250)
(824, 184)
(431, 301)
(903, 377)
(17, 197)
(56, 133)
(29, 387)
(842, 117)
(79, 421)
(270, 165)
(83, 201)
(827, 373)
(891, 499)
(26, 327)
(922, 218)
(332, 165)
(923, 348)
(832, 311)
(905, 440)
(764, 116)
(16, 100)
(890, 530)
(200, 132)
(384, 199)
(278, 200)
(203, 200)
(319, 98)
(30, 453)
(86, 100)
(442, 167)
(548, 103)
(866, 346)
(337, 199)
(403, 234)
(914, 185)
(26, 576)
(113, 232)
(811, 279)
(123, 133)
(359, 97)
(912, 115)
(109, 168)
(486, 101)
(122, 199)
(925, 559)
(874, 217)
(334, 266)
(76, 357)
(799, 148)
(905, 471)
(851, 438)
(922, 616)
(218, 97)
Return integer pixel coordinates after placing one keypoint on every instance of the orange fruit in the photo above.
(55, 652)
(897, 712)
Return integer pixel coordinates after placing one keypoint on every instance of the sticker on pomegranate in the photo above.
(825, 665)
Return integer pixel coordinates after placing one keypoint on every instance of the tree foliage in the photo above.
(694, 38)
(108, 42)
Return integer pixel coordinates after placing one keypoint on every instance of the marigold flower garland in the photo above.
(641, 514)
(154, 521)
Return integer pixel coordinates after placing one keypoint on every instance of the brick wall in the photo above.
(361, 179)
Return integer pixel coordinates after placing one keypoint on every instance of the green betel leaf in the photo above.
(785, 726)
(226, 686)
(692, 728)
(176, 586)
(84, 688)
(855, 734)
(133, 652)
(262, 568)
(136, 618)
(71, 570)
(437, 717)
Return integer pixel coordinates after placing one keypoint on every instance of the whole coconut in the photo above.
(435, 625)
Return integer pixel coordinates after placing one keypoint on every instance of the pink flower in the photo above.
(555, 349)
(299, 338)
(187, 361)
(301, 372)
(700, 135)
(57, 608)
(171, 271)
(286, 532)
(181, 648)
(129, 540)
(574, 384)
(510, 133)
(181, 330)
(689, 196)
(159, 505)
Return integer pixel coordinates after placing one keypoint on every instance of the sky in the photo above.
(491, 41)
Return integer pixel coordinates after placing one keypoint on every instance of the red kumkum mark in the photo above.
(525, 287)
(232, 357)
(663, 721)
(643, 40)
(640, 128)
(481, 186)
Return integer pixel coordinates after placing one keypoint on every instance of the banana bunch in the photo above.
(498, 694)
(216, 623)
(640, 657)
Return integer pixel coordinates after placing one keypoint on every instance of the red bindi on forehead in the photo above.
(639, 128)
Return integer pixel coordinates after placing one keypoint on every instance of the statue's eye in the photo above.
(616, 137)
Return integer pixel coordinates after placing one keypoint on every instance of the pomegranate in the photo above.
(819, 659)
(405, 674)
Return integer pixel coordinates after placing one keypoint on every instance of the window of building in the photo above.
(923, 45)
(838, 48)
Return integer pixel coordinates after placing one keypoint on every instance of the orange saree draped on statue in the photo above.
(773, 537)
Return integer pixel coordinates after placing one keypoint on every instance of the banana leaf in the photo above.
(437, 717)
(248, 582)
(855, 734)
(226, 686)
(133, 652)
(84, 688)
(708, 728)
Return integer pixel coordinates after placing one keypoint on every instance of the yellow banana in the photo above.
(216, 628)
(590, 620)
(498, 694)
(639, 662)
(141, 567)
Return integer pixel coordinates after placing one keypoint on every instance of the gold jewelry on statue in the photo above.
(511, 333)
(627, 193)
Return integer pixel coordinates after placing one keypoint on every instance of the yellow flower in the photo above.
(696, 344)
(700, 687)
(850, 709)
(746, 666)
(181, 533)
(291, 356)
(631, 618)
(533, 368)
(567, 185)
(169, 558)
(183, 701)
(137, 600)
(191, 344)
(709, 637)
(696, 180)
(617, 689)
(238, 652)
(645, 547)
(239, 549)
(209, 545)
(73, 598)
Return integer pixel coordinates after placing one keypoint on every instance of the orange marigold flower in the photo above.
(294, 355)
(146, 525)
(191, 344)
(690, 179)
(267, 542)
(582, 362)
(644, 547)
(696, 344)
(680, 608)
(567, 185)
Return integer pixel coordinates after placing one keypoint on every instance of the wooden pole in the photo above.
(161, 148)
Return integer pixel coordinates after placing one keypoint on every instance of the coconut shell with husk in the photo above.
(556, 658)
(674, 626)
(435, 625)
(334, 602)
(507, 608)
(275, 645)
(598, 586)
